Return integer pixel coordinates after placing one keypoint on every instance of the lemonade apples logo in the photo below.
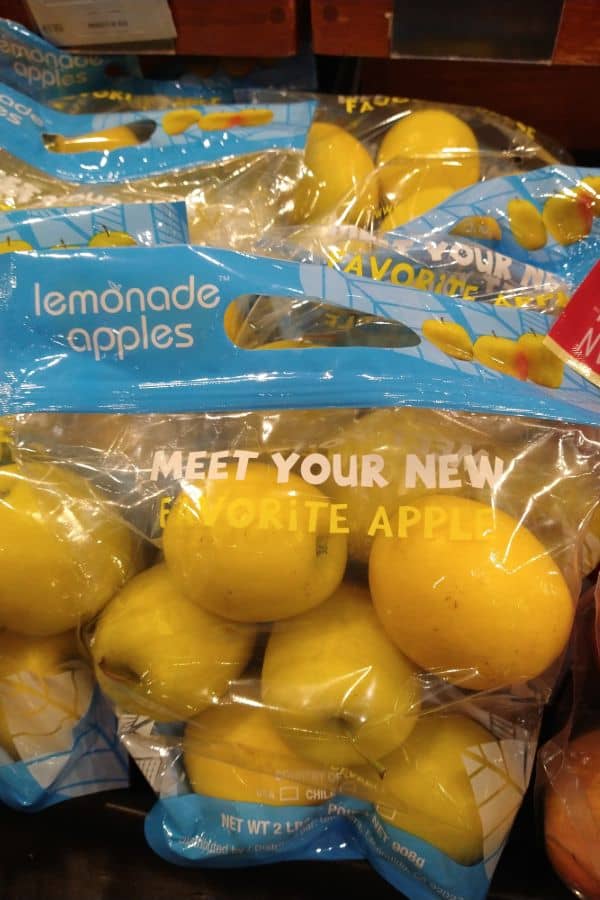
(149, 634)
(463, 589)
(246, 547)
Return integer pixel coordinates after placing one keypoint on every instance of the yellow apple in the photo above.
(108, 238)
(235, 752)
(38, 656)
(426, 790)
(64, 553)
(251, 549)
(157, 654)
(432, 145)
(467, 592)
(10, 245)
(414, 205)
(340, 178)
(340, 692)
(391, 434)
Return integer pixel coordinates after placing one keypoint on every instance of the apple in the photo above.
(426, 790)
(469, 593)
(10, 245)
(433, 147)
(235, 752)
(392, 434)
(340, 178)
(159, 655)
(251, 549)
(37, 656)
(64, 552)
(501, 354)
(572, 816)
(568, 217)
(108, 238)
(62, 246)
(340, 692)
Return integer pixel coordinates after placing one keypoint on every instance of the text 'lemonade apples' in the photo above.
(235, 752)
(61, 547)
(461, 588)
(158, 654)
(340, 692)
(253, 550)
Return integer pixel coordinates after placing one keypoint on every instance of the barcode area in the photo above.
(116, 23)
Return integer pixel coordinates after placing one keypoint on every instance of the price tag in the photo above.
(84, 23)
(575, 336)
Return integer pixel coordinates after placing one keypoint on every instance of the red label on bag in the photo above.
(575, 336)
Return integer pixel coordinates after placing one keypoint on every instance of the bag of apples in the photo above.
(361, 563)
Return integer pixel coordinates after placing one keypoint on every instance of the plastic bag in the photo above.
(368, 560)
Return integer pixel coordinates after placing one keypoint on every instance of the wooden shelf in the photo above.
(365, 28)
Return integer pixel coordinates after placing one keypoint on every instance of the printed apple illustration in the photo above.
(462, 591)
(61, 547)
(526, 224)
(449, 337)
(12, 245)
(177, 121)
(114, 138)
(572, 816)
(433, 145)
(106, 238)
(339, 178)
(392, 434)
(541, 364)
(252, 549)
(235, 752)
(340, 692)
(568, 217)
(429, 777)
(480, 228)
(501, 354)
(157, 654)
(38, 656)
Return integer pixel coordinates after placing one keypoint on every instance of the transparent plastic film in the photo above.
(379, 162)
(449, 265)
